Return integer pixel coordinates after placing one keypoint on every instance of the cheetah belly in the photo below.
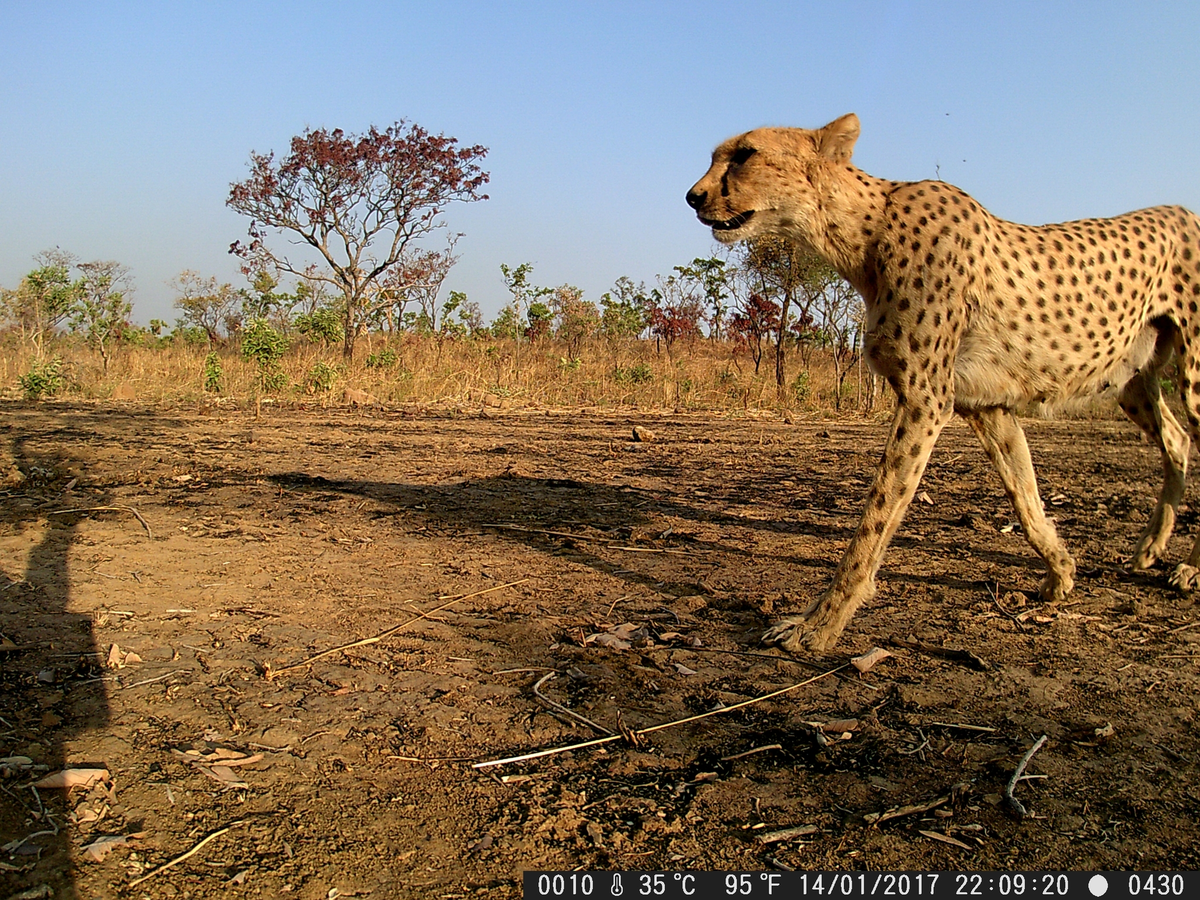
(993, 371)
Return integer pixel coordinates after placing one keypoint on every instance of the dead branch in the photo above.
(1014, 804)
(963, 656)
(644, 731)
(763, 749)
(897, 812)
(128, 509)
(558, 707)
(216, 834)
(270, 673)
(786, 834)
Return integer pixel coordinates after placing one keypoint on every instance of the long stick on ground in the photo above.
(128, 509)
(641, 731)
(216, 834)
(1013, 802)
(271, 673)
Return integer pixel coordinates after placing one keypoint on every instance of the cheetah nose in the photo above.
(695, 199)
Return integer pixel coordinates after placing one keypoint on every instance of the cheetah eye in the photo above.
(741, 154)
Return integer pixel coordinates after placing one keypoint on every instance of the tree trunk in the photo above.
(780, 370)
(350, 327)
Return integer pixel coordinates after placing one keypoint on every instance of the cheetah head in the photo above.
(764, 182)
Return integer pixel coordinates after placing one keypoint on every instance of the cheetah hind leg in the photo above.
(1186, 576)
(1142, 401)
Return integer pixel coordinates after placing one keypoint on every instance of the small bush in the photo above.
(639, 374)
(274, 382)
(45, 379)
(320, 378)
(321, 325)
(189, 335)
(384, 359)
(263, 344)
(801, 388)
(213, 373)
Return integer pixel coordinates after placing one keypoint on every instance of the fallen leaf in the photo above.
(72, 778)
(684, 670)
(628, 631)
(102, 846)
(607, 640)
(946, 839)
(868, 660)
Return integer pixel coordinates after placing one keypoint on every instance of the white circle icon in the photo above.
(1098, 885)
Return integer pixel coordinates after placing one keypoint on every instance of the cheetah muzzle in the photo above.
(729, 224)
(970, 314)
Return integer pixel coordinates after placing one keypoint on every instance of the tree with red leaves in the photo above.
(755, 322)
(363, 202)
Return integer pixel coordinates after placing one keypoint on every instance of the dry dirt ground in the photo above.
(492, 551)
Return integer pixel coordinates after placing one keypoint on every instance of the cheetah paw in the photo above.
(1185, 577)
(796, 633)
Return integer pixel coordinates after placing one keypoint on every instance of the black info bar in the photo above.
(685, 885)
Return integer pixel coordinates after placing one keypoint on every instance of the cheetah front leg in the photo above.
(1004, 441)
(915, 430)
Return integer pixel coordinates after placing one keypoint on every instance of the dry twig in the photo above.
(558, 707)
(1014, 804)
(644, 731)
(216, 834)
(270, 673)
(128, 509)
(897, 812)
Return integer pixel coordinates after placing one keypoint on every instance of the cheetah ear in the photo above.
(836, 140)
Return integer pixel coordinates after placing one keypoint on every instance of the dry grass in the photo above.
(705, 375)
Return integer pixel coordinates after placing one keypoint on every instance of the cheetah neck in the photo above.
(848, 223)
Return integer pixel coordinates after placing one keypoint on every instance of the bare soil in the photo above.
(267, 540)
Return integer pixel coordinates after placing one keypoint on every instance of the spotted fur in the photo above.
(967, 313)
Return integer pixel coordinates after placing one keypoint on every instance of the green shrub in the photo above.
(320, 378)
(274, 382)
(384, 359)
(263, 344)
(45, 379)
(213, 374)
(189, 335)
(321, 325)
(801, 388)
(639, 374)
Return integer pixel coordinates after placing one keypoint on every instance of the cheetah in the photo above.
(967, 313)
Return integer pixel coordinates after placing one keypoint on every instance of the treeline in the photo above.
(764, 302)
(368, 208)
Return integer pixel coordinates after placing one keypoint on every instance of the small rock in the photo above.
(645, 435)
(360, 398)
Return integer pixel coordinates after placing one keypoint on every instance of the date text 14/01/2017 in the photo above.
(855, 885)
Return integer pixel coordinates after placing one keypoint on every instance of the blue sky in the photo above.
(124, 123)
